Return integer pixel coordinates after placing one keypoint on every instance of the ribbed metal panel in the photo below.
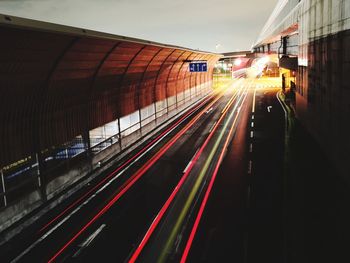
(56, 85)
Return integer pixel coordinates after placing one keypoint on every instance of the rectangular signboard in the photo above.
(200, 66)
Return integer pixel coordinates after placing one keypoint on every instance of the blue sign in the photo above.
(198, 67)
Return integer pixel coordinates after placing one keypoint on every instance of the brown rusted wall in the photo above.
(54, 86)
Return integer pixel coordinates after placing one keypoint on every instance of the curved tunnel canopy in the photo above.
(57, 83)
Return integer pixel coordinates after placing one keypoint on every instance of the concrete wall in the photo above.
(323, 90)
(323, 99)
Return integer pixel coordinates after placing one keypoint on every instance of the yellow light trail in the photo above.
(160, 214)
(198, 182)
(206, 196)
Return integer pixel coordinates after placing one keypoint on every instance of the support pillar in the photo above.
(119, 135)
(86, 141)
(284, 45)
(41, 177)
(155, 112)
(167, 105)
(176, 100)
(3, 187)
(140, 121)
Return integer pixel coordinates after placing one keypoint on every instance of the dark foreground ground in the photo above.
(318, 204)
(292, 206)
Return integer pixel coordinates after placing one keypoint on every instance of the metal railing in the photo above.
(33, 172)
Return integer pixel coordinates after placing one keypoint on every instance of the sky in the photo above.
(209, 25)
